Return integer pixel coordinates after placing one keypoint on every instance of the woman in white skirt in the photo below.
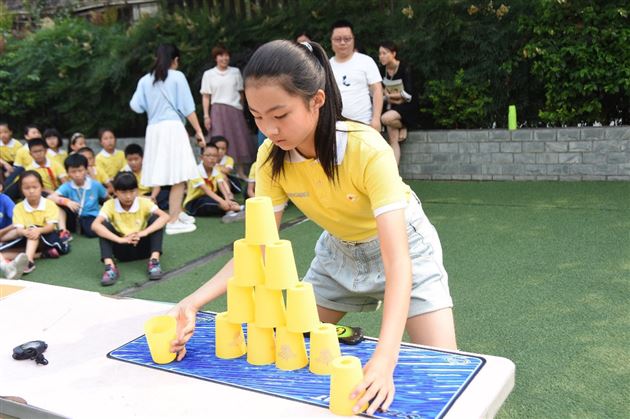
(165, 96)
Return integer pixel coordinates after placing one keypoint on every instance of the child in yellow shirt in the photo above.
(76, 143)
(54, 143)
(22, 160)
(52, 173)
(134, 155)
(225, 165)
(130, 227)
(109, 160)
(8, 147)
(93, 172)
(35, 220)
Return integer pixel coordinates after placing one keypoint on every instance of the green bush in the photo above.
(560, 61)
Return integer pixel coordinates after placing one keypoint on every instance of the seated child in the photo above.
(130, 228)
(54, 143)
(52, 173)
(226, 165)
(35, 220)
(76, 143)
(251, 182)
(8, 147)
(79, 199)
(22, 160)
(134, 155)
(205, 196)
(109, 160)
(93, 171)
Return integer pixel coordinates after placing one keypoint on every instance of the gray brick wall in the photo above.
(588, 154)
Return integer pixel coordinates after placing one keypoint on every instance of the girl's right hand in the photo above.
(207, 122)
(186, 315)
(201, 141)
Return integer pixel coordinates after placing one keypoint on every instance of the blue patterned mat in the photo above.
(427, 381)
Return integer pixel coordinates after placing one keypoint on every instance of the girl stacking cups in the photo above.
(377, 244)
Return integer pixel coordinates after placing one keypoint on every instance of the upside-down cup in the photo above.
(301, 308)
(345, 376)
(290, 350)
(269, 308)
(280, 270)
(324, 348)
(260, 222)
(229, 338)
(248, 264)
(240, 303)
(261, 345)
(160, 332)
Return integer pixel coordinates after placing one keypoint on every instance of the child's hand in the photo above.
(234, 206)
(186, 315)
(128, 239)
(225, 205)
(378, 384)
(8, 168)
(32, 233)
(73, 206)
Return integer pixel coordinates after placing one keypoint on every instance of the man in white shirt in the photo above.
(357, 77)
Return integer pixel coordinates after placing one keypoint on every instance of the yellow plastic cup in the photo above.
(324, 348)
(301, 308)
(260, 222)
(280, 270)
(512, 117)
(248, 264)
(160, 332)
(240, 303)
(345, 376)
(269, 308)
(290, 350)
(261, 345)
(229, 338)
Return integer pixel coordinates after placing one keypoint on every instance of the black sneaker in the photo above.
(154, 270)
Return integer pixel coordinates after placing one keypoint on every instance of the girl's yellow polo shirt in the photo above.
(110, 164)
(8, 150)
(131, 221)
(46, 212)
(369, 183)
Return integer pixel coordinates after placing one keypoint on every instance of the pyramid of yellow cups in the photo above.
(264, 267)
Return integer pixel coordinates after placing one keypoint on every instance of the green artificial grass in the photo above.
(538, 272)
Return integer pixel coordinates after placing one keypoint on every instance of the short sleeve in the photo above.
(59, 170)
(107, 210)
(382, 182)
(239, 80)
(265, 185)
(184, 100)
(197, 182)
(52, 212)
(64, 190)
(138, 102)
(101, 192)
(229, 162)
(371, 71)
(205, 84)
(18, 216)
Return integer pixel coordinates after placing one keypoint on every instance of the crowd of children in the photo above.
(48, 193)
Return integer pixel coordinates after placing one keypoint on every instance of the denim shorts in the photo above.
(350, 277)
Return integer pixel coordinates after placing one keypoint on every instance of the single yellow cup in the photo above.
(229, 338)
(280, 270)
(261, 345)
(269, 308)
(346, 375)
(248, 264)
(290, 350)
(160, 332)
(301, 308)
(324, 348)
(260, 222)
(240, 303)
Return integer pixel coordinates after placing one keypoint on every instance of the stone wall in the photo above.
(573, 154)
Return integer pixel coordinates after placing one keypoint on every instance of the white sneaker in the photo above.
(15, 268)
(178, 227)
(185, 218)
(232, 216)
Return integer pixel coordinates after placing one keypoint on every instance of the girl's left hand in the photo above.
(201, 141)
(378, 384)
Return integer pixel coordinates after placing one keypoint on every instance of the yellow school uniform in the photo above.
(46, 212)
(142, 190)
(368, 185)
(194, 185)
(53, 174)
(131, 221)
(8, 150)
(110, 164)
(23, 156)
(227, 162)
(58, 156)
(100, 176)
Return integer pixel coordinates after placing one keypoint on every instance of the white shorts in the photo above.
(350, 277)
